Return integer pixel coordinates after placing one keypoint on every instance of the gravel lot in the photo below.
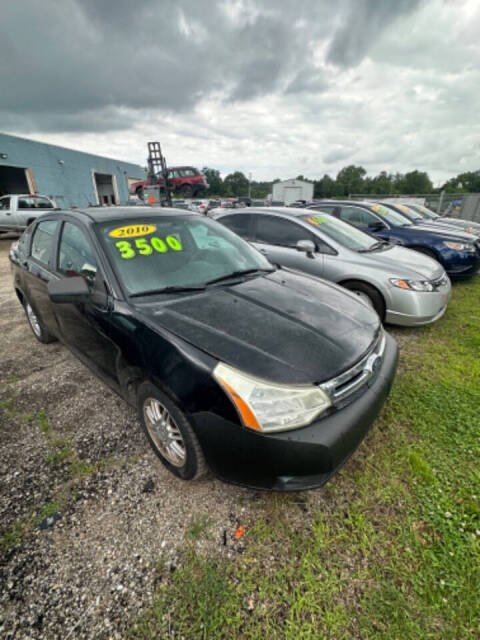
(90, 519)
(67, 441)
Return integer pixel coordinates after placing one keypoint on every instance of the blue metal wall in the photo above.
(70, 182)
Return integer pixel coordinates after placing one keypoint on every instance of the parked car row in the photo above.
(251, 340)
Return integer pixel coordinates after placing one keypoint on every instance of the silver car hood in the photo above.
(406, 263)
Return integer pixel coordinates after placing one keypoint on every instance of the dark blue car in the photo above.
(455, 251)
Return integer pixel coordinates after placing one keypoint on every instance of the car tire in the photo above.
(38, 330)
(170, 433)
(139, 193)
(186, 191)
(369, 294)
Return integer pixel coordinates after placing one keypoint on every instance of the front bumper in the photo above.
(299, 459)
(416, 308)
(463, 265)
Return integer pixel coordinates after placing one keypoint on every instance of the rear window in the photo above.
(34, 202)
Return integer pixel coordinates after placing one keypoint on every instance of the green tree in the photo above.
(417, 182)
(381, 184)
(464, 182)
(324, 188)
(214, 180)
(236, 184)
(350, 180)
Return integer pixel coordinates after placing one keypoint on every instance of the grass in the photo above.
(390, 549)
(13, 537)
(198, 527)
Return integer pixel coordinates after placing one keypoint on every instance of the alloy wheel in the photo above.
(33, 320)
(164, 432)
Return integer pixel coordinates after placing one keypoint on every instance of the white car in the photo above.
(18, 211)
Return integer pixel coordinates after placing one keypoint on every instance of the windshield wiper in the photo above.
(375, 245)
(237, 274)
(170, 289)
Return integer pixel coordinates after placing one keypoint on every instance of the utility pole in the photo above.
(250, 184)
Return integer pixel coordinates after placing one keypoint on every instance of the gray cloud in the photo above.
(363, 23)
(89, 64)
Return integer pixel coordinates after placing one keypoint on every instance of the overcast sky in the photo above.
(273, 87)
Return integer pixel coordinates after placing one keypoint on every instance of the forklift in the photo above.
(157, 194)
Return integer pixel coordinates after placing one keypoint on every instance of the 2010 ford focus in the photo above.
(269, 378)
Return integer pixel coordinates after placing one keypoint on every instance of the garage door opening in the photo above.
(13, 180)
(105, 188)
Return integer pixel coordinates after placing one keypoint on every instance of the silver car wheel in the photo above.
(33, 320)
(164, 432)
(363, 296)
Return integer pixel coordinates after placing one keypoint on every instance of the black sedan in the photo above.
(268, 377)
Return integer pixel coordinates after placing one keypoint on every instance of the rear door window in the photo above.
(43, 242)
(278, 231)
(240, 224)
(76, 255)
(356, 216)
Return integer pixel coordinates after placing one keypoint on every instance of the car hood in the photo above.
(283, 327)
(458, 222)
(449, 234)
(406, 263)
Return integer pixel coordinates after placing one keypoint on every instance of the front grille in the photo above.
(339, 388)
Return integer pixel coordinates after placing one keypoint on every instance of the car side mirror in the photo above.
(307, 246)
(69, 290)
(376, 226)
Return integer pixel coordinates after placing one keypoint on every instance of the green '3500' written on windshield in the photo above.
(146, 247)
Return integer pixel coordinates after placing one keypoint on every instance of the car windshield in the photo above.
(345, 234)
(155, 253)
(390, 215)
(409, 212)
(425, 213)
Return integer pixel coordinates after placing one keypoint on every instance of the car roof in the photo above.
(294, 212)
(25, 195)
(105, 214)
(365, 203)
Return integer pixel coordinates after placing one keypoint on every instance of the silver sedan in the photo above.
(405, 287)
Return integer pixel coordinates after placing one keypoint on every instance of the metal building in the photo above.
(288, 191)
(72, 178)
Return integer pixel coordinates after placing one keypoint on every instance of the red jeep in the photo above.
(185, 181)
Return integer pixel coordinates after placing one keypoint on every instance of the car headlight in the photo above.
(267, 406)
(460, 246)
(412, 285)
